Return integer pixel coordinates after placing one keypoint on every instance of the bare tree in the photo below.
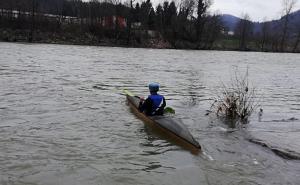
(244, 30)
(288, 6)
(295, 47)
(265, 34)
(187, 8)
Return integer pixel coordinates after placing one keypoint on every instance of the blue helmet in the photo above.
(154, 87)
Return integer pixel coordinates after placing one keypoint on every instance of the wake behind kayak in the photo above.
(167, 124)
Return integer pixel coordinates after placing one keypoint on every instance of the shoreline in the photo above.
(85, 39)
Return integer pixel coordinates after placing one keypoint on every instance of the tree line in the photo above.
(182, 24)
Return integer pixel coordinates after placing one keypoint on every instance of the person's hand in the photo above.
(142, 99)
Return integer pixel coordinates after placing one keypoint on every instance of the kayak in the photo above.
(168, 124)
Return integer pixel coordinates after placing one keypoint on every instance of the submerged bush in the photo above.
(236, 101)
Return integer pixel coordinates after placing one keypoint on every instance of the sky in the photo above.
(256, 9)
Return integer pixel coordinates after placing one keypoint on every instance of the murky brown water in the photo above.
(64, 121)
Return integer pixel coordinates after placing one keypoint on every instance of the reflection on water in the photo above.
(64, 120)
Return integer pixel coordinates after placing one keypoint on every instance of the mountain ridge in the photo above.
(230, 21)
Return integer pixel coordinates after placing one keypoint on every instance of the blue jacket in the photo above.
(153, 105)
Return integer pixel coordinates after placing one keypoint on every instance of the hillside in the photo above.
(230, 22)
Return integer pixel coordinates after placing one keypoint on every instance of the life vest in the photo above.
(157, 101)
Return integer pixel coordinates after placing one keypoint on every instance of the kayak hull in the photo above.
(169, 125)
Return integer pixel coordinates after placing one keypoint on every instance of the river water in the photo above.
(64, 120)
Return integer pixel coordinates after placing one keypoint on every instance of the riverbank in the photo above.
(9, 35)
(86, 38)
(137, 41)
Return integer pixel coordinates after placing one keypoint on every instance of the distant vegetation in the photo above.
(185, 24)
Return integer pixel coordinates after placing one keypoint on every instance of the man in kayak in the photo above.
(155, 103)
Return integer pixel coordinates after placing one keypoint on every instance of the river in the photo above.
(64, 120)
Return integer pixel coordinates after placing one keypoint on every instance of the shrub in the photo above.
(236, 101)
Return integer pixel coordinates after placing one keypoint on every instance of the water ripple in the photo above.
(64, 120)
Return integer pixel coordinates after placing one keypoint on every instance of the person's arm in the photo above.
(141, 107)
(162, 107)
(164, 103)
(144, 105)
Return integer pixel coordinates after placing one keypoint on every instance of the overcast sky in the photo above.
(257, 9)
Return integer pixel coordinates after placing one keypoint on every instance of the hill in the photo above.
(230, 22)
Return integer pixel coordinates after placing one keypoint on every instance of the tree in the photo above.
(159, 17)
(288, 6)
(151, 19)
(144, 12)
(187, 8)
(136, 12)
(296, 44)
(202, 6)
(185, 14)
(213, 30)
(129, 22)
(169, 19)
(169, 11)
(265, 34)
(243, 31)
(165, 10)
(34, 5)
